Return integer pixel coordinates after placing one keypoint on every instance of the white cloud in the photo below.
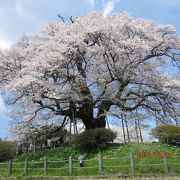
(91, 2)
(18, 8)
(5, 43)
(109, 6)
(2, 106)
(1, 12)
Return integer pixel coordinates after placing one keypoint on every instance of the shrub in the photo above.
(7, 150)
(167, 134)
(94, 138)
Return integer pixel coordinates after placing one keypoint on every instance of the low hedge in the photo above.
(94, 138)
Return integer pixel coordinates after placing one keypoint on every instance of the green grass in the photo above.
(116, 161)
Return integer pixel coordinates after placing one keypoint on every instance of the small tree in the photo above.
(7, 150)
(167, 134)
(36, 137)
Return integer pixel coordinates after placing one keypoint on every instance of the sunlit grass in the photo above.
(116, 161)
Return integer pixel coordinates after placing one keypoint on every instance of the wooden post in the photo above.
(165, 160)
(132, 163)
(10, 168)
(26, 166)
(70, 165)
(100, 163)
(45, 165)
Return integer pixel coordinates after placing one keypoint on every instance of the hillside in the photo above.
(114, 151)
(148, 159)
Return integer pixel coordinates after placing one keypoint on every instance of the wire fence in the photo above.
(130, 165)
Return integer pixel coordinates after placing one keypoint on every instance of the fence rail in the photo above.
(71, 166)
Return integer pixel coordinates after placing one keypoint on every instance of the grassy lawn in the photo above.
(116, 161)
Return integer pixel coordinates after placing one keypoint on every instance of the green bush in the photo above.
(167, 134)
(7, 150)
(94, 138)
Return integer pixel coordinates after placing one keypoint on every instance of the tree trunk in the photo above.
(70, 128)
(140, 133)
(100, 122)
(124, 135)
(85, 112)
(87, 117)
(127, 128)
(136, 128)
(107, 123)
(94, 123)
(88, 123)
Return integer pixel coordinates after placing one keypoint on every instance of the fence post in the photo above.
(26, 166)
(10, 168)
(100, 163)
(70, 165)
(165, 160)
(132, 163)
(45, 165)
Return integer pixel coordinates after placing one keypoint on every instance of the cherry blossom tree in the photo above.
(83, 68)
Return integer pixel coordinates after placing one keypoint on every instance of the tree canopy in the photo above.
(167, 134)
(88, 66)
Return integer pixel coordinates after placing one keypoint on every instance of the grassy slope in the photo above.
(116, 151)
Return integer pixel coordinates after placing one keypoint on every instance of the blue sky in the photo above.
(28, 16)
